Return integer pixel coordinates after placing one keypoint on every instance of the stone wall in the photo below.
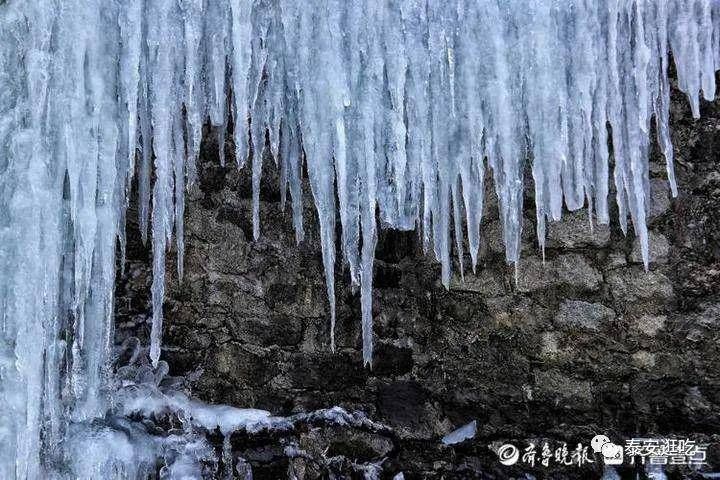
(586, 342)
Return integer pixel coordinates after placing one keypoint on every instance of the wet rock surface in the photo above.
(584, 343)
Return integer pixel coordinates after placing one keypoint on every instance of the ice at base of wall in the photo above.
(398, 111)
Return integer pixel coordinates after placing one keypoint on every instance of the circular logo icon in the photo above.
(508, 454)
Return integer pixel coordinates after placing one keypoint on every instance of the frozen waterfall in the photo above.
(395, 107)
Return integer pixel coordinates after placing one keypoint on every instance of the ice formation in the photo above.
(461, 434)
(609, 473)
(395, 108)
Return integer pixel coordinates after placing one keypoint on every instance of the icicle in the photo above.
(130, 37)
(179, 175)
(217, 24)
(457, 227)
(662, 103)
(146, 163)
(241, 35)
(258, 108)
(192, 30)
(392, 107)
(163, 101)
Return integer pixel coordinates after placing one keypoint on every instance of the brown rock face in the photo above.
(586, 343)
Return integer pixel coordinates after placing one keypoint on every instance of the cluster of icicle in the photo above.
(396, 108)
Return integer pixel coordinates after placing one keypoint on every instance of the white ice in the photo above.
(609, 473)
(466, 432)
(398, 112)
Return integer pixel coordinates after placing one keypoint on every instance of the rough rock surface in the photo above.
(586, 343)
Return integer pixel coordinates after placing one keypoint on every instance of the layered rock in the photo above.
(584, 342)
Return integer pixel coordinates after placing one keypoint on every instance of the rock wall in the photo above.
(586, 342)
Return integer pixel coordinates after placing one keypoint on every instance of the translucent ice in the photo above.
(398, 112)
(461, 434)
